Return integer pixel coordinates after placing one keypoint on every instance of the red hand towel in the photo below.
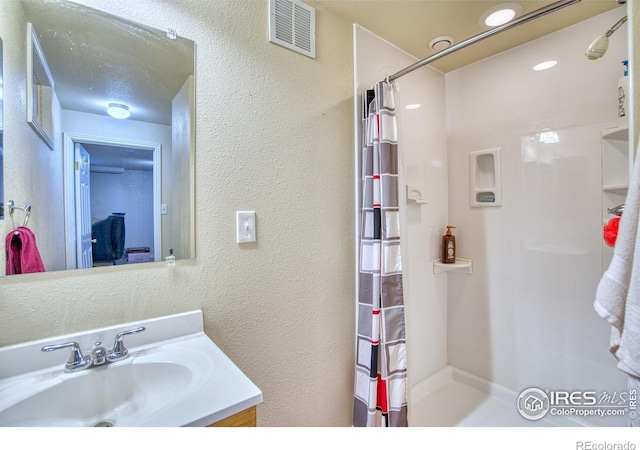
(22, 252)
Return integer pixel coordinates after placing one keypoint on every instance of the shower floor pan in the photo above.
(455, 398)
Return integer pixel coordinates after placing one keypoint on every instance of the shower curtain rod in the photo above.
(460, 45)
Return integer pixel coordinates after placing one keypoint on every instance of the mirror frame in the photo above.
(39, 95)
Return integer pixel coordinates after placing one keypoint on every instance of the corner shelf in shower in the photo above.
(616, 160)
(414, 195)
(462, 265)
(620, 189)
(619, 133)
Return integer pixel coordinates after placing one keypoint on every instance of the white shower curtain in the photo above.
(381, 369)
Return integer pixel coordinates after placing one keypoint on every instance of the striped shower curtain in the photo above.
(381, 369)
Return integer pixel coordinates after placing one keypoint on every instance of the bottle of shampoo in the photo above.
(623, 91)
(449, 247)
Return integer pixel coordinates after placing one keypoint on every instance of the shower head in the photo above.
(599, 46)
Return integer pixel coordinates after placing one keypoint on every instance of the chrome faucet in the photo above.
(99, 354)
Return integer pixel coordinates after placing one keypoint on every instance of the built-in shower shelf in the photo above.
(616, 188)
(619, 133)
(616, 160)
(414, 196)
(462, 265)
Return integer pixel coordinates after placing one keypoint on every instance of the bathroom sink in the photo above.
(182, 381)
(105, 396)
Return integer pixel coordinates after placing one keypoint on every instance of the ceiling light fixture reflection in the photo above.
(545, 65)
(500, 14)
(118, 111)
(413, 106)
(549, 137)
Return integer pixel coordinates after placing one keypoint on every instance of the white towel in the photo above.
(618, 294)
(633, 384)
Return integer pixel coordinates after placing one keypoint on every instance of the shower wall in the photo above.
(525, 316)
(423, 154)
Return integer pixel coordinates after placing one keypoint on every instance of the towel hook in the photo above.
(26, 209)
(618, 210)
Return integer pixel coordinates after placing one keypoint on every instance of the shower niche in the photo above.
(485, 181)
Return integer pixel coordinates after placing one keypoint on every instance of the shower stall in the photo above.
(517, 313)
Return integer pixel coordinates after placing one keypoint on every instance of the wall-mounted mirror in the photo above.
(127, 184)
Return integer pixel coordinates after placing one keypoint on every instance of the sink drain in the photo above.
(104, 424)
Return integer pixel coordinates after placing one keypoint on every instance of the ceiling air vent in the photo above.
(292, 24)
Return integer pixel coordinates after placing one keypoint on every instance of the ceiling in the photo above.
(96, 58)
(412, 24)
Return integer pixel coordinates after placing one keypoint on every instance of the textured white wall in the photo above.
(274, 134)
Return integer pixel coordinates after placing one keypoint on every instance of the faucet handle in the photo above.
(119, 350)
(76, 360)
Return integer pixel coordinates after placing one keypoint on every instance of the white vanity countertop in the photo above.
(217, 389)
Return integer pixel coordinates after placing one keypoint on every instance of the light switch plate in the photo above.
(245, 226)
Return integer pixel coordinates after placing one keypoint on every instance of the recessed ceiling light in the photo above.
(413, 106)
(118, 111)
(500, 14)
(500, 17)
(545, 65)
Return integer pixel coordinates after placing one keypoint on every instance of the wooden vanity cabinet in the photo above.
(246, 418)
